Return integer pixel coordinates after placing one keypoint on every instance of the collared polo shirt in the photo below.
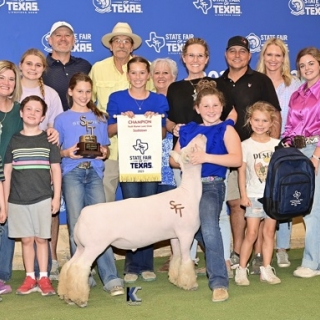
(253, 86)
(58, 75)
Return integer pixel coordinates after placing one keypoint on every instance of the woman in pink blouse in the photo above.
(304, 120)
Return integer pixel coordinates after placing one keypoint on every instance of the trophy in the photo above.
(88, 146)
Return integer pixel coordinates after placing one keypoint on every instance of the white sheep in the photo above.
(135, 223)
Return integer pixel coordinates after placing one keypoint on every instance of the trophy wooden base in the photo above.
(89, 150)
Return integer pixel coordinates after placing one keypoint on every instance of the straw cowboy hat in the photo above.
(121, 29)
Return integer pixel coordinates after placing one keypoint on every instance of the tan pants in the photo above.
(111, 179)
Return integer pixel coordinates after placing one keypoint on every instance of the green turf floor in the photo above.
(293, 299)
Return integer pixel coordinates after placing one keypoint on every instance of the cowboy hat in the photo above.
(121, 29)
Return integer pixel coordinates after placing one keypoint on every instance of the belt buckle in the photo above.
(85, 165)
(313, 139)
(299, 142)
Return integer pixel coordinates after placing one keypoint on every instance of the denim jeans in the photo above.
(83, 187)
(142, 259)
(311, 254)
(209, 235)
(6, 252)
(284, 235)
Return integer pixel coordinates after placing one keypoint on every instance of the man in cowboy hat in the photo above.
(108, 76)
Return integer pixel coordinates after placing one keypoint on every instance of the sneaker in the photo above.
(116, 291)
(4, 288)
(303, 272)
(148, 276)
(256, 264)
(45, 287)
(241, 277)
(201, 271)
(165, 267)
(130, 278)
(29, 285)
(220, 294)
(268, 274)
(283, 259)
(234, 260)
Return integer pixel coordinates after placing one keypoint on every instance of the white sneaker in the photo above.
(241, 277)
(267, 274)
(283, 259)
(303, 272)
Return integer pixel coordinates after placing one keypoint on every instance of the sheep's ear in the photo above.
(185, 157)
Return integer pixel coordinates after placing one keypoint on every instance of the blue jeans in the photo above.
(83, 187)
(311, 254)
(209, 235)
(6, 252)
(142, 259)
(284, 235)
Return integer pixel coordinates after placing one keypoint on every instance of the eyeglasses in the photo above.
(199, 56)
(123, 41)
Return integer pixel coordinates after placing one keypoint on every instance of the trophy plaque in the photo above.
(88, 146)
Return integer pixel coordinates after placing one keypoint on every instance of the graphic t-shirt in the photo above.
(257, 156)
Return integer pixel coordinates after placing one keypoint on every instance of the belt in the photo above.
(211, 178)
(84, 165)
(302, 141)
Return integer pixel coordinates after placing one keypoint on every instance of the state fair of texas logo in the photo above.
(203, 5)
(220, 8)
(174, 42)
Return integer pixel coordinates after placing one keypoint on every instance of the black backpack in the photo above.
(289, 185)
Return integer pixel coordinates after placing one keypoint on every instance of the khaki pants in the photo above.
(111, 179)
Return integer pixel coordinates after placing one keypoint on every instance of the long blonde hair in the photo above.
(285, 68)
(39, 54)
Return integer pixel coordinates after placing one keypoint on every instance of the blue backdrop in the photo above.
(163, 25)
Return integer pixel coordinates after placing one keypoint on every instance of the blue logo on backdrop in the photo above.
(132, 298)
(172, 41)
(82, 43)
(20, 6)
(117, 6)
(256, 42)
(307, 7)
(225, 8)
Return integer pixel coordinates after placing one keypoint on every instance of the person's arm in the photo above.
(3, 210)
(7, 170)
(53, 136)
(56, 181)
(233, 115)
(177, 148)
(244, 200)
(232, 159)
(315, 159)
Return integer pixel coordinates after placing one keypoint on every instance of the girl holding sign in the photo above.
(133, 101)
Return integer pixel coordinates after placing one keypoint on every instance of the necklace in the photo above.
(194, 95)
(139, 105)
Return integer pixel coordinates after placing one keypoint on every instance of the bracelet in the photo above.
(315, 157)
